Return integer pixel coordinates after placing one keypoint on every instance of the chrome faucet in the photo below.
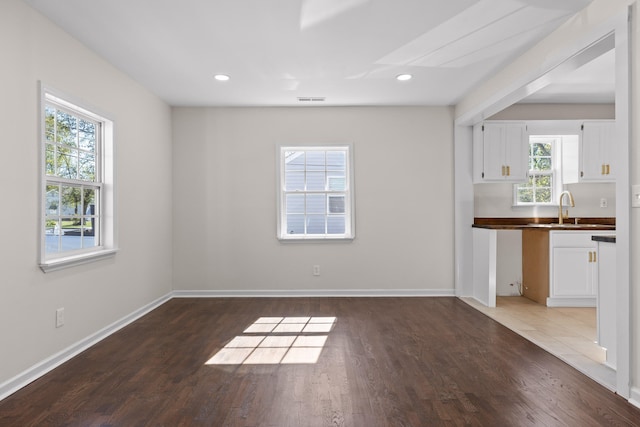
(561, 216)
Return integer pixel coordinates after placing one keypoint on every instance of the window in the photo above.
(544, 182)
(77, 171)
(316, 193)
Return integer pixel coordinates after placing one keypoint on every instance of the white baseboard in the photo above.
(571, 302)
(315, 293)
(635, 397)
(36, 371)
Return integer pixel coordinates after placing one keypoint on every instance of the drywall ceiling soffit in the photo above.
(347, 51)
(593, 82)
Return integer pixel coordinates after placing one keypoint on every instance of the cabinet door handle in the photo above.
(590, 256)
(502, 170)
(603, 170)
(608, 169)
(508, 170)
(594, 256)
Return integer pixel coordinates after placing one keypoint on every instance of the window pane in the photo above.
(294, 181)
(315, 161)
(50, 159)
(315, 224)
(294, 160)
(336, 181)
(541, 163)
(525, 195)
(71, 200)
(336, 160)
(335, 224)
(543, 195)
(66, 129)
(87, 135)
(315, 181)
(70, 237)
(89, 202)
(541, 149)
(67, 161)
(295, 224)
(336, 204)
(49, 123)
(87, 167)
(92, 228)
(52, 200)
(295, 203)
(53, 230)
(542, 181)
(88, 238)
(316, 203)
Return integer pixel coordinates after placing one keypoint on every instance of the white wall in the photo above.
(495, 200)
(96, 294)
(225, 200)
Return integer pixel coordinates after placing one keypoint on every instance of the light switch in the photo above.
(635, 196)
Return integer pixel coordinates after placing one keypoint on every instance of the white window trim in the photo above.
(107, 224)
(349, 203)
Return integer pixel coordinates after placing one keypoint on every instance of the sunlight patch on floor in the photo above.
(276, 343)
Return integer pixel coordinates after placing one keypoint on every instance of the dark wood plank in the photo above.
(387, 362)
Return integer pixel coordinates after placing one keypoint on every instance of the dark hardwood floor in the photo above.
(386, 362)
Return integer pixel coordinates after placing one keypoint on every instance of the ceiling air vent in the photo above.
(311, 98)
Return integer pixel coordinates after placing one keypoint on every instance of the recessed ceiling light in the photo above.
(221, 77)
(403, 77)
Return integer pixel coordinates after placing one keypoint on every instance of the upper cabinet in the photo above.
(597, 154)
(501, 152)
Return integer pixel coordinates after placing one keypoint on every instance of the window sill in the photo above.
(72, 261)
(317, 239)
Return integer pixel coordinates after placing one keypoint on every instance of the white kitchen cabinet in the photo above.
(573, 268)
(501, 152)
(598, 150)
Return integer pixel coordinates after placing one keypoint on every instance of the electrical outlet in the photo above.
(59, 317)
(316, 270)
(603, 203)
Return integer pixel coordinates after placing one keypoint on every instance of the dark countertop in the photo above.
(547, 227)
(544, 224)
(605, 239)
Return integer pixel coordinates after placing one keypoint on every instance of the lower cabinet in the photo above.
(573, 266)
(560, 268)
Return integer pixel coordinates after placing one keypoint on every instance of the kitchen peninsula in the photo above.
(559, 261)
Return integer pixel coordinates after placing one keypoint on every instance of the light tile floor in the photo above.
(568, 333)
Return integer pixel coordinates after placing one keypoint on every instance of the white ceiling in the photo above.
(275, 51)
